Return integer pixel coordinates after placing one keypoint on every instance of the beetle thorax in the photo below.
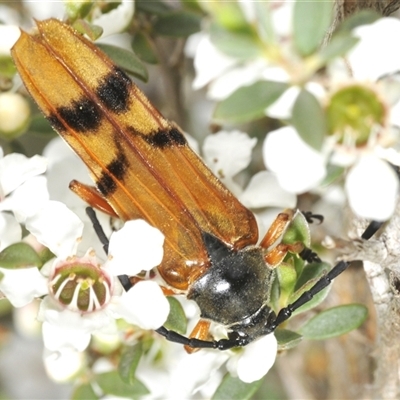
(235, 290)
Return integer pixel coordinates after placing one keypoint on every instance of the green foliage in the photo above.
(242, 45)
(126, 60)
(85, 27)
(84, 392)
(143, 47)
(154, 7)
(287, 339)
(177, 24)
(309, 119)
(7, 67)
(176, 319)
(234, 389)
(19, 255)
(335, 321)
(311, 21)
(298, 231)
(129, 361)
(112, 384)
(249, 102)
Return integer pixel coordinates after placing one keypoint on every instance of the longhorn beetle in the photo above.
(143, 168)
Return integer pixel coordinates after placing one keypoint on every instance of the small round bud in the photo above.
(14, 115)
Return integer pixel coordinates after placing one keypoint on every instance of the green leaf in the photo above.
(19, 255)
(191, 5)
(335, 322)
(363, 17)
(227, 14)
(249, 102)
(153, 7)
(7, 67)
(333, 172)
(84, 392)
(142, 46)
(78, 9)
(265, 27)
(287, 339)
(176, 320)
(41, 126)
(312, 272)
(298, 231)
(309, 119)
(242, 45)
(177, 24)
(129, 361)
(91, 30)
(287, 279)
(127, 60)
(310, 275)
(111, 383)
(337, 47)
(234, 389)
(311, 20)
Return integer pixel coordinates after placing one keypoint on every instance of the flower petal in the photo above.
(117, 19)
(69, 330)
(377, 39)
(206, 71)
(63, 366)
(135, 247)
(372, 188)
(16, 168)
(57, 227)
(298, 167)
(257, 359)
(27, 199)
(144, 305)
(10, 230)
(228, 153)
(264, 190)
(21, 286)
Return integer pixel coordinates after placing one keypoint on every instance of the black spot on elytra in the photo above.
(113, 90)
(106, 184)
(115, 170)
(164, 139)
(81, 115)
(56, 123)
(118, 166)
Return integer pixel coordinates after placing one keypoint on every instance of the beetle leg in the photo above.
(277, 228)
(201, 332)
(91, 195)
(274, 257)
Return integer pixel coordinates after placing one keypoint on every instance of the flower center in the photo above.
(353, 112)
(81, 287)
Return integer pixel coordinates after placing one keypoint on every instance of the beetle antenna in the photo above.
(98, 228)
(124, 279)
(285, 313)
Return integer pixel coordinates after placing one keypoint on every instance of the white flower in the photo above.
(372, 188)
(227, 154)
(8, 36)
(68, 321)
(297, 166)
(117, 19)
(376, 40)
(22, 192)
(139, 238)
(255, 360)
(16, 171)
(62, 366)
(22, 285)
